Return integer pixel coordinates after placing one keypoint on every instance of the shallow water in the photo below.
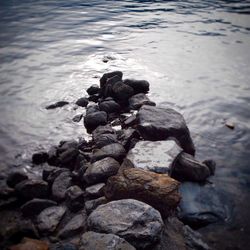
(195, 54)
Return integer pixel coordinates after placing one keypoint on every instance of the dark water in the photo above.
(195, 54)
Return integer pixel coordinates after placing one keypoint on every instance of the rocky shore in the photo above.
(135, 185)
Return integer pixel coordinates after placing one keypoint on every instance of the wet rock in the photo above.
(127, 136)
(139, 86)
(157, 190)
(28, 244)
(97, 241)
(189, 169)
(93, 89)
(138, 223)
(106, 76)
(40, 157)
(202, 205)
(57, 105)
(211, 164)
(49, 219)
(52, 156)
(94, 98)
(130, 121)
(75, 226)
(77, 118)
(16, 177)
(91, 205)
(230, 125)
(155, 123)
(100, 170)
(75, 198)
(93, 120)
(29, 189)
(121, 92)
(64, 246)
(49, 175)
(35, 206)
(106, 129)
(94, 191)
(105, 139)
(68, 157)
(156, 156)
(114, 150)
(138, 100)
(60, 185)
(82, 102)
(109, 106)
(92, 109)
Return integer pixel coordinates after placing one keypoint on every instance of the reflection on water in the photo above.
(194, 53)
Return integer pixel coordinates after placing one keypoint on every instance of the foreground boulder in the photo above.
(157, 123)
(156, 156)
(138, 223)
(157, 190)
(97, 241)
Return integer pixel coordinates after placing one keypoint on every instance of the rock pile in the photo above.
(119, 190)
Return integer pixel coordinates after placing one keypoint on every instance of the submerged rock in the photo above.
(157, 190)
(77, 118)
(156, 124)
(99, 241)
(57, 105)
(138, 223)
(138, 100)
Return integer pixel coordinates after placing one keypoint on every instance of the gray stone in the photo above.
(82, 102)
(94, 191)
(109, 75)
(91, 205)
(109, 106)
(138, 223)
(75, 198)
(97, 241)
(49, 219)
(93, 89)
(106, 129)
(121, 92)
(138, 100)
(95, 119)
(139, 86)
(77, 118)
(158, 123)
(100, 170)
(105, 139)
(157, 156)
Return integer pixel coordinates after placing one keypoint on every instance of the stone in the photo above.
(75, 226)
(52, 156)
(93, 89)
(130, 121)
(114, 150)
(106, 76)
(158, 123)
(92, 109)
(75, 198)
(16, 177)
(91, 205)
(158, 190)
(94, 98)
(40, 157)
(59, 187)
(64, 246)
(49, 175)
(187, 168)
(121, 92)
(30, 244)
(35, 206)
(29, 189)
(127, 138)
(77, 118)
(105, 139)
(155, 156)
(99, 241)
(139, 86)
(82, 102)
(202, 205)
(100, 170)
(49, 219)
(211, 164)
(67, 158)
(109, 106)
(57, 105)
(106, 129)
(94, 191)
(138, 100)
(93, 120)
(138, 223)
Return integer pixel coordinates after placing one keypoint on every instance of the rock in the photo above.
(35, 206)
(93, 89)
(106, 129)
(156, 156)
(187, 168)
(40, 157)
(29, 189)
(64, 246)
(97, 241)
(82, 102)
(100, 170)
(52, 174)
(157, 190)
(114, 150)
(138, 223)
(94, 98)
(106, 76)
(127, 138)
(16, 177)
(109, 106)
(60, 185)
(105, 139)
(49, 219)
(75, 226)
(202, 205)
(139, 86)
(94, 191)
(92, 109)
(211, 164)
(68, 157)
(163, 123)
(91, 205)
(77, 118)
(57, 105)
(30, 244)
(138, 100)
(93, 120)
(121, 92)
(75, 198)
(230, 125)
(52, 156)
(130, 121)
